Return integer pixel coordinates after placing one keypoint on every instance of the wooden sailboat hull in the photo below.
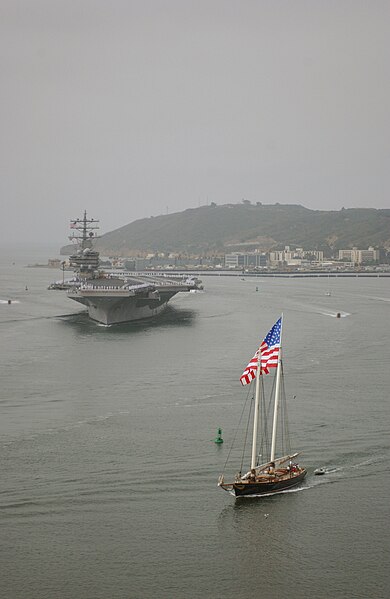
(247, 488)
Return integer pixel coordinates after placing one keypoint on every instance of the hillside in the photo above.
(231, 227)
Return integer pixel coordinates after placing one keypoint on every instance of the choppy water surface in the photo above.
(108, 469)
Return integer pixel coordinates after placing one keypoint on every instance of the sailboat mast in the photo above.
(277, 394)
(256, 413)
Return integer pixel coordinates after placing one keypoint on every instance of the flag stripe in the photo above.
(269, 355)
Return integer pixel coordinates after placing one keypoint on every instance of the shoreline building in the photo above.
(295, 257)
(286, 257)
(245, 260)
(356, 256)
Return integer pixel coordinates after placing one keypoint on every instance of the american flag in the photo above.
(269, 353)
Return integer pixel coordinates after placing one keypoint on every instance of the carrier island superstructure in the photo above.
(114, 298)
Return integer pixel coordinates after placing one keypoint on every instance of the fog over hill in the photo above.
(219, 229)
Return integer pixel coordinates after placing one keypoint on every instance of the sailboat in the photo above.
(277, 473)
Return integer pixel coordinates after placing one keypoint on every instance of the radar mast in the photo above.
(86, 260)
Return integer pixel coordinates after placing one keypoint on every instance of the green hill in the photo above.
(230, 227)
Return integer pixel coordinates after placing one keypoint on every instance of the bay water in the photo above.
(107, 462)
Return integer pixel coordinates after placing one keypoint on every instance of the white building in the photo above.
(245, 260)
(357, 256)
(294, 257)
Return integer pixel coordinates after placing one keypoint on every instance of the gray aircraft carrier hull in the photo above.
(111, 304)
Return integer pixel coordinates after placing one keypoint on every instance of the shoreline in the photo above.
(280, 274)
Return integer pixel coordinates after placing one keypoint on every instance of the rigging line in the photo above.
(265, 441)
(282, 414)
(264, 445)
(269, 413)
(246, 432)
(282, 399)
(287, 430)
(237, 429)
(285, 421)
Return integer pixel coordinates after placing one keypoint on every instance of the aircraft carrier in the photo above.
(111, 298)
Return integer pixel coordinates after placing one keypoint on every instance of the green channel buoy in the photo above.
(219, 438)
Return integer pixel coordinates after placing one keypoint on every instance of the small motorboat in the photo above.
(319, 471)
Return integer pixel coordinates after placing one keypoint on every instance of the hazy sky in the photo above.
(132, 108)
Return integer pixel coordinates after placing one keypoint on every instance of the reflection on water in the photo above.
(171, 317)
